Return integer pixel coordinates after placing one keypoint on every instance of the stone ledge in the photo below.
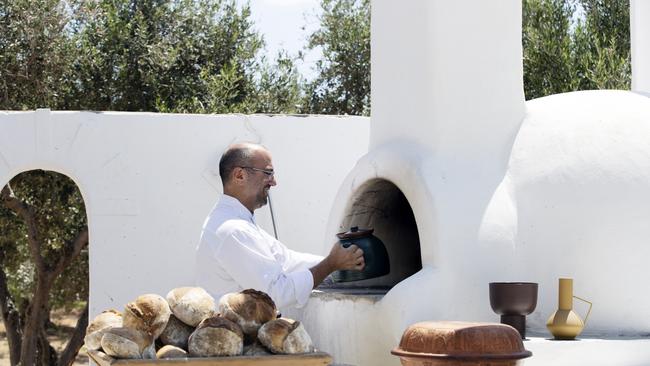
(351, 294)
(619, 351)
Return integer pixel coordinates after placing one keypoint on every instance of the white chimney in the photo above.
(640, 45)
(447, 74)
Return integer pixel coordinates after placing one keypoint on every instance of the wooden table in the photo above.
(306, 359)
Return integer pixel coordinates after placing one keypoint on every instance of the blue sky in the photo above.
(281, 23)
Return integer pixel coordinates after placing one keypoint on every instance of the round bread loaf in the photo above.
(256, 349)
(106, 320)
(170, 351)
(285, 336)
(250, 309)
(191, 304)
(128, 343)
(148, 313)
(216, 336)
(176, 333)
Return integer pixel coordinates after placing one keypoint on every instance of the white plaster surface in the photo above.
(640, 44)
(588, 352)
(149, 180)
(573, 201)
(447, 74)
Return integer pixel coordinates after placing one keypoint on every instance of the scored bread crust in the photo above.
(105, 320)
(169, 351)
(298, 341)
(216, 336)
(248, 308)
(256, 349)
(285, 336)
(148, 313)
(191, 304)
(176, 333)
(128, 343)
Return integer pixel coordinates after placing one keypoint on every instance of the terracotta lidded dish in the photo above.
(460, 344)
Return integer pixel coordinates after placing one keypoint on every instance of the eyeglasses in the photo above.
(269, 173)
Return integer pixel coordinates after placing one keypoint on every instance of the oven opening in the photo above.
(379, 204)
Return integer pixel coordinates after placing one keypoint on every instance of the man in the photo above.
(234, 253)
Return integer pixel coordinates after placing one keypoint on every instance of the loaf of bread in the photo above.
(191, 304)
(176, 333)
(170, 351)
(250, 309)
(148, 313)
(102, 322)
(128, 343)
(285, 336)
(256, 349)
(216, 336)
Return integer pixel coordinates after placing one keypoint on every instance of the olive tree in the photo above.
(44, 262)
(342, 83)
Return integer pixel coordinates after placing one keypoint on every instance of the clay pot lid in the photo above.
(461, 341)
(355, 233)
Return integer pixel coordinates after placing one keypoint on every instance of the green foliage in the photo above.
(342, 85)
(607, 25)
(60, 216)
(34, 53)
(141, 55)
(546, 40)
(279, 87)
(197, 56)
(575, 45)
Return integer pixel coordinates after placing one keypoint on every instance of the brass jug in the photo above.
(565, 323)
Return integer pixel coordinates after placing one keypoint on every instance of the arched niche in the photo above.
(379, 204)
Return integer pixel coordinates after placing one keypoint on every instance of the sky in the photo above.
(281, 23)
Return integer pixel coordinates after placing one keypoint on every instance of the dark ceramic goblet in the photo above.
(513, 301)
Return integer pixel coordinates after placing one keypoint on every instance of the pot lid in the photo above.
(461, 341)
(355, 233)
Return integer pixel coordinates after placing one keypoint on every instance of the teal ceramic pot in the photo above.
(374, 255)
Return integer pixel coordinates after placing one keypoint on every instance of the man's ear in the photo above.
(238, 175)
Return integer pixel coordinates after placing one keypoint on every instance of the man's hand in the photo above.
(346, 258)
(338, 259)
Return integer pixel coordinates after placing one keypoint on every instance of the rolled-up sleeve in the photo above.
(251, 267)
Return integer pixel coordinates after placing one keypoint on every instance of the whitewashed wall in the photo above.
(640, 44)
(149, 180)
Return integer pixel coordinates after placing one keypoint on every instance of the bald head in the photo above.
(237, 155)
(247, 174)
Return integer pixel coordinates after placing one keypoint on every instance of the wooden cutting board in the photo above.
(307, 359)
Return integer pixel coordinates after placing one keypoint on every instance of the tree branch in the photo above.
(11, 320)
(26, 212)
(76, 341)
(46, 353)
(36, 313)
(65, 259)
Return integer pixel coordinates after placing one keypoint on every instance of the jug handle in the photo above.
(346, 245)
(588, 311)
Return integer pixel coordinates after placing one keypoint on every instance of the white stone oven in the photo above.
(492, 188)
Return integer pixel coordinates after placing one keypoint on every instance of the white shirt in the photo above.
(234, 254)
